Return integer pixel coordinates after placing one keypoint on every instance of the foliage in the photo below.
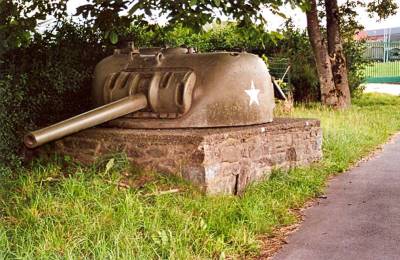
(14, 116)
(295, 45)
(226, 36)
(356, 65)
(105, 16)
(303, 75)
(109, 18)
(58, 210)
(45, 81)
(193, 13)
(63, 59)
(19, 18)
(383, 8)
(53, 79)
(354, 50)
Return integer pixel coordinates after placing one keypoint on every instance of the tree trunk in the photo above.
(335, 50)
(327, 84)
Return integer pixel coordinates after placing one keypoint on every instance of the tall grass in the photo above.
(60, 210)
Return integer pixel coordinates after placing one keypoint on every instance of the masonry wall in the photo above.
(220, 160)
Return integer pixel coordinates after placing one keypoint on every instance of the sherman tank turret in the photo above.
(172, 88)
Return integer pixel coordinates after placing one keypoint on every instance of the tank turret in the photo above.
(172, 88)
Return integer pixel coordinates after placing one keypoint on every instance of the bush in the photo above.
(290, 44)
(296, 47)
(218, 37)
(47, 81)
(50, 79)
(14, 116)
(356, 64)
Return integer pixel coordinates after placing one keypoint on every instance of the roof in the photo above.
(379, 33)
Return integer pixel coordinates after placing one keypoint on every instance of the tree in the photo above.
(322, 60)
(106, 14)
(19, 18)
(328, 49)
(339, 96)
(336, 54)
(329, 56)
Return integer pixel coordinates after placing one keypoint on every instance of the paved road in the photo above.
(393, 89)
(360, 219)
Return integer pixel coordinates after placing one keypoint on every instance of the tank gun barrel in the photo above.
(86, 120)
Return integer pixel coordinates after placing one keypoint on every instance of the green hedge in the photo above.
(45, 82)
(50, 79)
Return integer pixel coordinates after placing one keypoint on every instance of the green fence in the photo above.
(385, 62)
(279, 68)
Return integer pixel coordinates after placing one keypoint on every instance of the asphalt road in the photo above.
(359, 219)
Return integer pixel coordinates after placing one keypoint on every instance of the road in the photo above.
(359, 219)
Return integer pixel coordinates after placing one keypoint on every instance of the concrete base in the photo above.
(219, 160)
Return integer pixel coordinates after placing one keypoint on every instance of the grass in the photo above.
(61, 210)
(383, 69)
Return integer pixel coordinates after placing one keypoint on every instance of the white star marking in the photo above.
(253, 94)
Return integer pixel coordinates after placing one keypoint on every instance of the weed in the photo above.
(46, 213)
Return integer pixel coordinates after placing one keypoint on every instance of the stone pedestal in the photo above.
(220, 160)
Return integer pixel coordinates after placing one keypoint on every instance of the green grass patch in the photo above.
(383, 69)
(61, 210)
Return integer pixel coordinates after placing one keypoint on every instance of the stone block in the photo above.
(219, 160)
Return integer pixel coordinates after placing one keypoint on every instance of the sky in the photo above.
(298, 17)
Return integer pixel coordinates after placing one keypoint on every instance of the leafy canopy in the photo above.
(19, 19)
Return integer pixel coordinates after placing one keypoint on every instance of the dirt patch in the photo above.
(271, 244)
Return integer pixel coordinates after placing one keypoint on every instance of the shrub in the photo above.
(50, 79)
(356, 63)
(303, 74)
(296, 47)
(47, 81)
(14, 116)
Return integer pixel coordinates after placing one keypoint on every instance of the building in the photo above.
(380, 35)
(383, 45)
